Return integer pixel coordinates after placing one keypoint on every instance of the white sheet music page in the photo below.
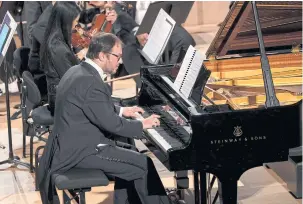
(184, 66)
(189, 71)
(158, 37)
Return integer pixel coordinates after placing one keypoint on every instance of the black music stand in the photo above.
(178, 10)
(7, 30)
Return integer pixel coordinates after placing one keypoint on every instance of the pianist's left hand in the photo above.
(131, 112)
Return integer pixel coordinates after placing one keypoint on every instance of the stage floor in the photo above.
(258, 185)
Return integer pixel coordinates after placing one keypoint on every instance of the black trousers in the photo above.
(136, 178)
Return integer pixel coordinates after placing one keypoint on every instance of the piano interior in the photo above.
(234, 56)
(239, 82)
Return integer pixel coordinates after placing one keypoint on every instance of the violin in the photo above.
(79, 41)
(82, 38)
(100, 24)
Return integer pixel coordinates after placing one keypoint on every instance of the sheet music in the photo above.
(189, 71)
(184, 66)
(158, 37)
(8, 21)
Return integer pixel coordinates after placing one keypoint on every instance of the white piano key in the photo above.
(156, 136)
(159, 140)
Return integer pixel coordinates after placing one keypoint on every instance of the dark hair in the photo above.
(102, 42)
(87, 16)
(61, 19)
(59, 25)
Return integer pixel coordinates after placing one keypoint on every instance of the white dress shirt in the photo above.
(141, 8)
(102, 75)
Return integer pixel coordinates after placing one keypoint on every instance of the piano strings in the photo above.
(229, 100)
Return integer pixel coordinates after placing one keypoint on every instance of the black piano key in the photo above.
(169, 130)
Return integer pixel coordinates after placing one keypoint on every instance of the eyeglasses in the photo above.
(118, 56)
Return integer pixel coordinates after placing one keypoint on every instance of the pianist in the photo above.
(84, 121)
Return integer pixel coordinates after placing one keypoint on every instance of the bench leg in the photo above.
(81, 197)
(69, 195)
(66, 199)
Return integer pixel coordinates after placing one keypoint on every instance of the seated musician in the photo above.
(56, 53)
(123, 32)
(38, 14)
(120, 6)
(126, 28)
(98, 5)
(86, 18)
(86, 120)
(101, 7)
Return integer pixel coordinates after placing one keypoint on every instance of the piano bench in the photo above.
(76, 182)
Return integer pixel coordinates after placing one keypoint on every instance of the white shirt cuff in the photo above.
(134, 30)
(121, 111)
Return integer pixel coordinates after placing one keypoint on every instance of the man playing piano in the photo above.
(86, 121)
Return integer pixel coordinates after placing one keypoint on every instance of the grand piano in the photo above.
(219, 138)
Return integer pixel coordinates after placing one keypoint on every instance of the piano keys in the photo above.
(173, 131)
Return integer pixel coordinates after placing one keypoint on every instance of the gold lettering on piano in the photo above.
(236, 140)
(258, 138)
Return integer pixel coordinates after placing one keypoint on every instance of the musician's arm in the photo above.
(39, 27)
(123, 26)
(63, 58)
(33, 11)
(99, 109)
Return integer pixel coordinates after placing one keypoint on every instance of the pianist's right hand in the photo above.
(151, 122)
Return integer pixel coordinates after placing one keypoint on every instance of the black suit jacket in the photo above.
(85, 116)
(178, 44)
(123, 27)
(37, 38)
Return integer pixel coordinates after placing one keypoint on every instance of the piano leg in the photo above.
(228, 191)
(200, 189)
(196, 187)
(203, 187)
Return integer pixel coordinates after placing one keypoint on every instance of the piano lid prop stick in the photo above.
(124, 77)
(235, 106)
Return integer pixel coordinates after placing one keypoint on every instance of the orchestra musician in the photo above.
(85, 120)
(177, 45)
(34, 10)
(119, 6)
(124, 27)
(56, 52)
(38, 13)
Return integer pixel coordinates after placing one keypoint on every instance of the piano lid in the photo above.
(281, 23)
